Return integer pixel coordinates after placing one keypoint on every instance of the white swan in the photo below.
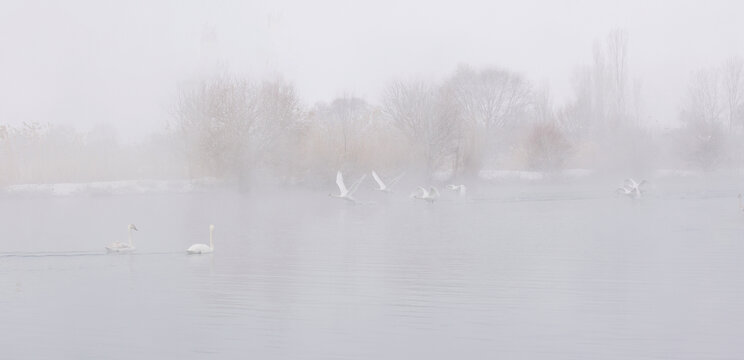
(381, 185)
(120, 247)
(343, 192)
(461, 189)
(203, 248)
(631, 189)
(430, 195)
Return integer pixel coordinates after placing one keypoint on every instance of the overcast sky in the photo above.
(81, 63)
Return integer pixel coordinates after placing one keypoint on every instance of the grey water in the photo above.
(515, 271)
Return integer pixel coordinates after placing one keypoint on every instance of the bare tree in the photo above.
(216, 116)
(425, 115)
(277, 126)
(733, 83)
(542, 105)
(344, 123)
(547, 149)
(703, 103)
(487, 101)
(601, 89)
(492, 97)
(702, 115)
(617, 54)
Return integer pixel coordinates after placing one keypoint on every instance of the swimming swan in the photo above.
(120, 247)
(430, 195)
(203, 248)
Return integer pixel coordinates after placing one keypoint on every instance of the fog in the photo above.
(398, 180)
(81, 63)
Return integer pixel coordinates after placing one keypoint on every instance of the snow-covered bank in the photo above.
(122, 187)
(532, 175)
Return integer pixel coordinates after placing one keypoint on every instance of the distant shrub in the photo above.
(546, 148)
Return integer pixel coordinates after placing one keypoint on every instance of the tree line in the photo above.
(230, 127)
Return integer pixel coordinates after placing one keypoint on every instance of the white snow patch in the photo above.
(112, 187)
(576, 173)
(676, 173)
(510, 175)
(532, 175)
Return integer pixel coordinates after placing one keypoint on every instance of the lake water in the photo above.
(516, 272)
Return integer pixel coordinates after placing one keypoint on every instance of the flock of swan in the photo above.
(128, 247)
(422, 193)
(630, 188)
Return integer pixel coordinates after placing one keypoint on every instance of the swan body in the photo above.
(461, 189)
(346, 193)
(202, 248)
(631, 189)
(430, 195)
(381, 186)
(123, 247)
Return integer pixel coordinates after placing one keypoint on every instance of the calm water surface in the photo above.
(520, 272)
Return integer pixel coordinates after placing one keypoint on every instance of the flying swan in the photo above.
(461, 189)
(120, 247)
(345, 193)
(631, 189)
(382, 186)
(203, 248)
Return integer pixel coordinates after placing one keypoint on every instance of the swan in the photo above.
(430, 195)
(203, 248)
(120, 247)
(461, 189)
(633, 184)
(343, 192)
(381, 185)
(631, 189)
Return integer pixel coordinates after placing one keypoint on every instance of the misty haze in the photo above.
(382, 180)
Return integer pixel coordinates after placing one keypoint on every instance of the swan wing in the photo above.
(395, 180)
(340, 182)
(424, 192)
(630, 183)
(356, 184)
(379, 181)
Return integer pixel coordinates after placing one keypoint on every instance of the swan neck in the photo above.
(130, 236)
(211, 243)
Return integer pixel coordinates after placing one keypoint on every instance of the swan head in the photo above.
(211, 227)
(132, 227)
